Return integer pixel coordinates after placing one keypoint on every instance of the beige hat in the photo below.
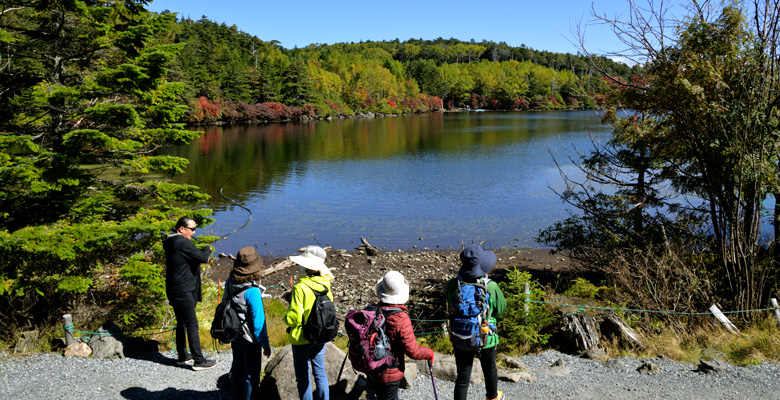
(247, 262)
(393, 288)
(313, 258)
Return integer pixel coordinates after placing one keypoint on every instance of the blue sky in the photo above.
(541, 25)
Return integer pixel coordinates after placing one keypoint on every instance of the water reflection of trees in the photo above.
(254, 157)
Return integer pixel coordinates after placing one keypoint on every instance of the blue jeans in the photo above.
(302, 355)
(245, 370)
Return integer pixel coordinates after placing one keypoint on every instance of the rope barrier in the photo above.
(580, 308)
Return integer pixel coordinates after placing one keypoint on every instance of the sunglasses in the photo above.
(192, 229)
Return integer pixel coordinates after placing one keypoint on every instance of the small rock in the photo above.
(712, 366)
(516, 377)
(512, 362)
(78, 349)
(596, 354)
(648, 367)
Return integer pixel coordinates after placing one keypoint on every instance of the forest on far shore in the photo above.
(233, 77)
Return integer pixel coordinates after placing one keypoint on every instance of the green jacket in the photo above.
(301, 303)
(496, 304)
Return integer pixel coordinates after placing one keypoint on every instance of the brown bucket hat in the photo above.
(247, 262)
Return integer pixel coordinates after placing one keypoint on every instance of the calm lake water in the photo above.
(430, 180)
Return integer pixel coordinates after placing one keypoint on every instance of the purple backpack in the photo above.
(369, 347)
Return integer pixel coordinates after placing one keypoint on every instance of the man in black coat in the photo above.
(182, 286)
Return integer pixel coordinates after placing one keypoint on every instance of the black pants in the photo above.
(464, 360)
(386, 391)
(186, 325)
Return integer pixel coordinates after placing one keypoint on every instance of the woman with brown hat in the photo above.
(247, 296)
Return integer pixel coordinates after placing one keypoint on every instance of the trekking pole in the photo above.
(433, 382)
(342, 368)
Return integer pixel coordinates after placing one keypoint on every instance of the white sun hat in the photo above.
(313, 258)
(393, 288)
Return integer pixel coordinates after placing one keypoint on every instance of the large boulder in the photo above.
(444, 368)
(410, 374)
(279, 379)
(104, 345)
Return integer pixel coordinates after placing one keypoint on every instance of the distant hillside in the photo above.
(233, 76)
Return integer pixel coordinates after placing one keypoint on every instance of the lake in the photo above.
(428, 180)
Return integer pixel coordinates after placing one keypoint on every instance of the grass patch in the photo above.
(757, 343)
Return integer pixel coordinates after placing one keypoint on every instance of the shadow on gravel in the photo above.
(137, 393)
(223, 392)
(157, 358)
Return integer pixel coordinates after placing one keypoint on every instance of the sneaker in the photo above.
(186, 361)
(499, 397)
(207, 364)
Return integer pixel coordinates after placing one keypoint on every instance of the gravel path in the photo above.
(51, 376)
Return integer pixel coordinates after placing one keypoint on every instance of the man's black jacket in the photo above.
(182, 265)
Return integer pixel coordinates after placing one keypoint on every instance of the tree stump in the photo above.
(580, 332)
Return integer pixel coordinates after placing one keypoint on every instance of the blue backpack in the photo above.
(469, 324)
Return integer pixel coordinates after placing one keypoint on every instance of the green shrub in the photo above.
(519, 331)
(439, 342)
(583, 289)
(142, 300)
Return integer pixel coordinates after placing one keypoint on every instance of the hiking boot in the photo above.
(206, 364)
(187, 360)
(499, 397)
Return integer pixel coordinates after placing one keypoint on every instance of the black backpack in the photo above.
(322, 325)
(226, 326)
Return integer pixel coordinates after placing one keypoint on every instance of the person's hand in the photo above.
(430, 358)
(267, 352)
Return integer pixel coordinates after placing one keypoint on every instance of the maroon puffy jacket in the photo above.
(398, 328)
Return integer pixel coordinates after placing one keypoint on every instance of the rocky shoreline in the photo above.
(357, 272)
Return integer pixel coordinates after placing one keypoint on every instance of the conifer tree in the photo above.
(85, 101)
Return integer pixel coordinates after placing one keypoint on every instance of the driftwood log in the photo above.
(773, 303)
(278, 267)
(723, 319)
(614, 326)
(288, 263)
(370, 249)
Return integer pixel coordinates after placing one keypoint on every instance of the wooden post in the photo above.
(67, 326)
(773, 301)
(723, 320)
(527, 290)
